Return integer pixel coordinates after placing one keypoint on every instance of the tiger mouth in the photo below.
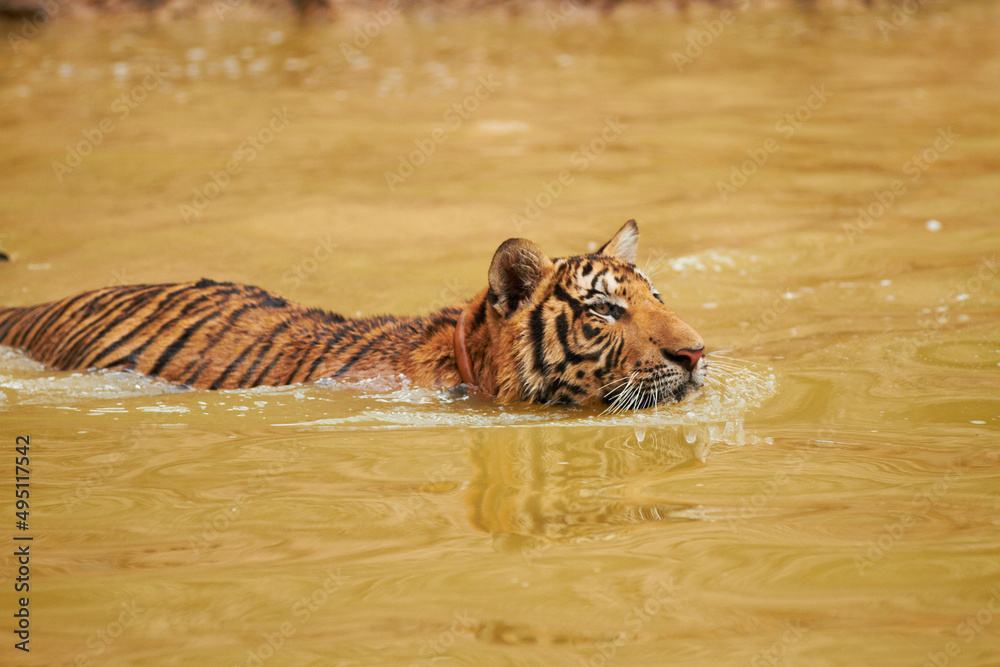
(645, 389)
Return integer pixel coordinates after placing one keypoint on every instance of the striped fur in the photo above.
(587, 330)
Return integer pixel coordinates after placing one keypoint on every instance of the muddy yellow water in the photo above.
(817, 194)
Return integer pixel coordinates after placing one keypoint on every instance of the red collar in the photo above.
(462, 353)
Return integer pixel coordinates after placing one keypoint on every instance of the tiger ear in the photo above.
(623, 244)
(518, 267)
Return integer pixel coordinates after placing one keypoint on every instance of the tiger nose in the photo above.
(687, 359)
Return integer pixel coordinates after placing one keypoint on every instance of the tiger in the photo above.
(589, 330)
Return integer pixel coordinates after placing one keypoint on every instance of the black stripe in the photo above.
(480, 315)
(132, 357)
(538, 338)
(183, 371)
(33, 315)
(354, 332)
(17, 314)
(225, 330)
(98, 311)
(134, 354)
(171, 350)
(85, 333)
(438, 324)
(44, 324)
(231, 367)
(201, 369)
(611, 360)
(362, 352)
(597, 276)
(315, 364)
(256, 362)
(559, 385)
(578, 306)
(357, 330)
(562, 332)
(263, 374)
(263, 352)
(6, 316)
(302, 360)
(159, 311)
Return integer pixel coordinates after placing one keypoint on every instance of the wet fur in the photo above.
(532, 334)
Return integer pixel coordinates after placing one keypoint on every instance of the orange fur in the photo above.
(588, 329)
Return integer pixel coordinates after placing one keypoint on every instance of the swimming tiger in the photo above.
(588, 330)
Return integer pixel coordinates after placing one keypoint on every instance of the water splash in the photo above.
(716, 414)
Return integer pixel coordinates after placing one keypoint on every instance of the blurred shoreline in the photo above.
(39, 12)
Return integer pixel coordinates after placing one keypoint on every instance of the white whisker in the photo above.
(621, 379)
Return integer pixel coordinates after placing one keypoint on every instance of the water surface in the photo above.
(817, 195)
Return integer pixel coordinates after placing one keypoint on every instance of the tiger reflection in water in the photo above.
(537, 486)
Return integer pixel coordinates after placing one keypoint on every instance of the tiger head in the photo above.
(590, 329)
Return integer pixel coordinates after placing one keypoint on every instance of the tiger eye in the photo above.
(601, 308)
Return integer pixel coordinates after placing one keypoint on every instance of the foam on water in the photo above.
(714, 261)
(714, 414)
(717, 410)
(27, 382)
